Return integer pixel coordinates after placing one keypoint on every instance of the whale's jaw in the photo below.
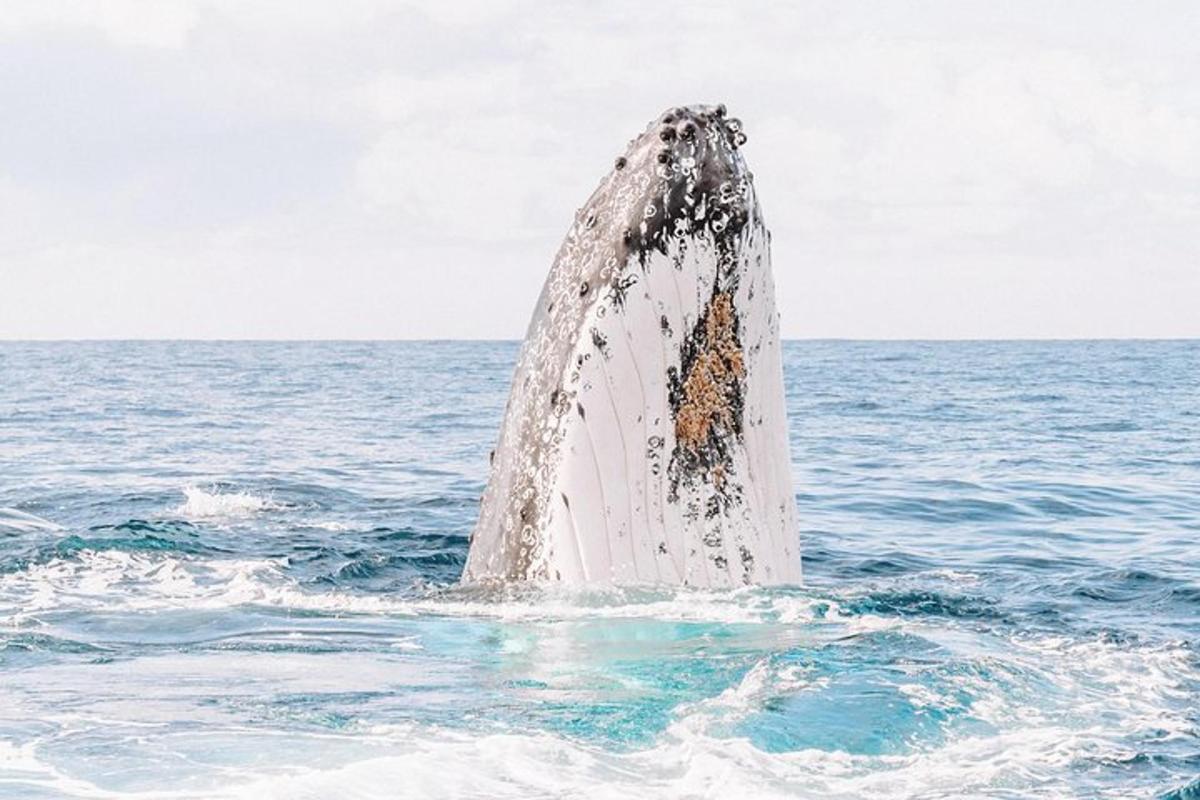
(645, 438)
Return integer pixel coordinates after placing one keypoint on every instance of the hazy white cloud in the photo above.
(138, 23)
(372, 168)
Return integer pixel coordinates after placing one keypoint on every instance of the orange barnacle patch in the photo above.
(706, 396)
(711, 383)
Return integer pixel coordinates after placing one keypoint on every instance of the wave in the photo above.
(216, 504)
(332, 526)
(13, 521)
(689, 766)
(115, 580)
(1024, 750)
(1012, 710)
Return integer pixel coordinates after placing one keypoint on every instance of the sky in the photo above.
(365, 169)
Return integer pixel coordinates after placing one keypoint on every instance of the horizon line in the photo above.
(470, 340)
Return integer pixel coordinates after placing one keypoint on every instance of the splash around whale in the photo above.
(645, 437)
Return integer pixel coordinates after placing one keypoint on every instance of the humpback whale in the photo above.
(645, 438)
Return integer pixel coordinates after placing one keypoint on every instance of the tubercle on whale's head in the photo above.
(698, 179)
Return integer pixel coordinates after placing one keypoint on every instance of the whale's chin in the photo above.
(645, 438)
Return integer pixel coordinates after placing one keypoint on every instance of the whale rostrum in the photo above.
(645, 437)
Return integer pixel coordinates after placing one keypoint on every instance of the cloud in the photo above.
(907, 157)
(158, 24)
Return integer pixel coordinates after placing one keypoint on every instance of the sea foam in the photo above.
(215, 504)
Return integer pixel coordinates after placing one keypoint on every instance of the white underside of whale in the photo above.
(616, 523)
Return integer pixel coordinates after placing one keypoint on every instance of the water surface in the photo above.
(227, 570)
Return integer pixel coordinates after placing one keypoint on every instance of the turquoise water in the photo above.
(237, 576)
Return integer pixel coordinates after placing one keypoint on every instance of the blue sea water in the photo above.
(228, 570)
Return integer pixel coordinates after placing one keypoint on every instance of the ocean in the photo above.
(229, 570)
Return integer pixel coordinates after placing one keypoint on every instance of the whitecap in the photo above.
(331, 525)
(215, 504)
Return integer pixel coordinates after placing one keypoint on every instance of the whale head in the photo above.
(645, 439)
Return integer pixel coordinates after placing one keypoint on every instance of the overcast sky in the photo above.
(359, 168)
